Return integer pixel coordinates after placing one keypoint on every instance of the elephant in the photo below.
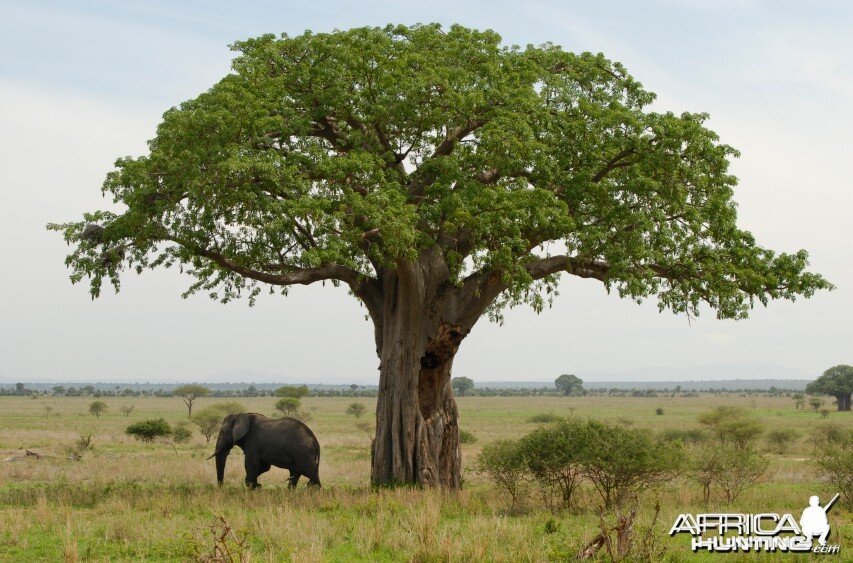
(284, 442)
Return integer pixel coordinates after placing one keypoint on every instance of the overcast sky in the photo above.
(84, 83)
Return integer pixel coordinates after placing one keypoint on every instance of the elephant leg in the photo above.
(252, 472)
(294, 479)
(313, 478)
(264, 468)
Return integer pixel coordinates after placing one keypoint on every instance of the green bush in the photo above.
(621, 462)
(466, 437)
(659, 411)
(287, 405)
(296, 391)
(835, 463)
(503, 462)
(732, 426)
(544, 418)
(687, 436)
(149, 430)
(555, 456)
(781, 440)
(356, 409)
(181, 434)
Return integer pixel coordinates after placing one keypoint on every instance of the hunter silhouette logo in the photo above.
(766, 531)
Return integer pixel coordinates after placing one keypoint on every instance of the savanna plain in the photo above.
(126, 500)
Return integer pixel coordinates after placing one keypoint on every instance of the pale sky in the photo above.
(84, 83)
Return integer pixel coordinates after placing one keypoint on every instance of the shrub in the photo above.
(126, 409)
(97, 408)
(621, 462)
(830, 434)
(181, 434)
(732, 426)
(687, 436)
(503, 462)
(149, 430)
(356, 409)
(555, 456)
(781, 440)
(835, 463)
(824, 413)
(208, 421)
(543, 418)
(659, 411)
(228, 407)
(466, 437)
(287, 405)
(739, 470)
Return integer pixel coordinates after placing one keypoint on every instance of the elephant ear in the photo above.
(241, 427)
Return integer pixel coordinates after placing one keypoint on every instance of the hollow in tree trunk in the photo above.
(417, 427)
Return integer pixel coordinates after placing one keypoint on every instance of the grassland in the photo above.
(126, 500)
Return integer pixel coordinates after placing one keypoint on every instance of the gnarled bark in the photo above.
(417, 428)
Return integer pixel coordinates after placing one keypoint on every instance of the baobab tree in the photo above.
(442, 177)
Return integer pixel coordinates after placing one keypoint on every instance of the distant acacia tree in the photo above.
(816, 403)
(462, 384)
(441, 176)
(569, 384)
(287, 406)
(836, 381)
(97, 408)
(189, 393)
(356, 409)
(297, 391)
(799, 400)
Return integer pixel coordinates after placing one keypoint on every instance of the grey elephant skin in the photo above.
(266, 442)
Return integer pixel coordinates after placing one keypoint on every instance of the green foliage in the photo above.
(830, 435)
(544, 418)
(462, 385)
(287, 406)
(569, 384)
(149, 430)
(208, 421)
(621, 462)
(181, 434)
(189, 393)
(730, 460)
(687, 436)
(227, 407)
(97, 408)
(556, 456)
(732, 425)
(356, 409)
(504, 463)
(780, 440)
(297, 391)
(659, 411)
(835, 462)
(836, 381)
(816, 403)
(323, 154)
(466, 437)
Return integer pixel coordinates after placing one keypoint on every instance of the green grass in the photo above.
(129, 501)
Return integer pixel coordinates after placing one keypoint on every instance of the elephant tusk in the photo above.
(211, 456)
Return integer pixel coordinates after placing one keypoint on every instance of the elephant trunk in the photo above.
(223, 448)
(221, 458)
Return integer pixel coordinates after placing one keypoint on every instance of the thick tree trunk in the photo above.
(417, 431)
(843, 401)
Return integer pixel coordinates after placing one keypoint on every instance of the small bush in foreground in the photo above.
(149, 430)
(503, 461)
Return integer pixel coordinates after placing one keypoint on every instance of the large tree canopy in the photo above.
(836, 381)
(441, 176)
